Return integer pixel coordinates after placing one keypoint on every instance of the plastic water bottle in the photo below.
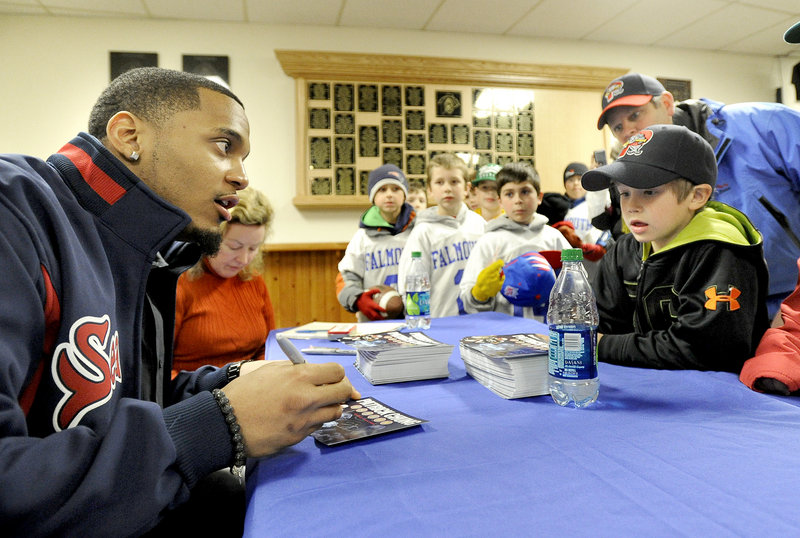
(572, 320)
(418, 295)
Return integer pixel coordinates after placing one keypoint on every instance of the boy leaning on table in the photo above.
(686, 289)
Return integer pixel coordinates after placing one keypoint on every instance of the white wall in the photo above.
(54, 68)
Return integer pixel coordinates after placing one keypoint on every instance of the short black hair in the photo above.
(518, 173)
(151, 93)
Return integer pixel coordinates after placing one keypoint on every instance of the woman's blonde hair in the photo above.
(253, 209)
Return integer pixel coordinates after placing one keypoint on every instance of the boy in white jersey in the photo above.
(444, 234)
(521, 229)
(373, 254)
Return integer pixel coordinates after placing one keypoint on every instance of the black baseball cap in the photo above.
(633, 89)
(574, 169)
(792, 35)
(655, 156)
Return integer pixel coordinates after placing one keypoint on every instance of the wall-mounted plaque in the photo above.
(415, 164)
(393, 156)
(525, 122)
(345, 150)
(392, 132)
(319, 118)
(476, 92)
(525, 144)
(448, 104)
(504, 121)
(503, 160)
(345, 181)
(415, 96)
(343, 97)
(484, 158)
(367, 98)
(344, 124)
(460, 133)
(125, 61)
(207, 66)
(319, 150)
(391, 101)
(319, 91)
(504, 142)
(483, 139)
(530, 161)
(368, 141)
(415, 120)
(482, 119)
(363, 182)
(437, 133)
(679, 88)
(415, 142)
(321, 185)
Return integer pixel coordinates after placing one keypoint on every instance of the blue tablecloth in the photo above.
(661, 453)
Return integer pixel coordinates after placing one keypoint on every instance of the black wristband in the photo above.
(239, 454)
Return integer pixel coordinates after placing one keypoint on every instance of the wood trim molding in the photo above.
(291, 247)
(430, 69)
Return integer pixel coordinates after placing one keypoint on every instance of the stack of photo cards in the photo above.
(363, 418)
(394, 357)
(512, 365)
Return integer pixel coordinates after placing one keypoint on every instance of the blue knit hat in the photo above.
(388, 173)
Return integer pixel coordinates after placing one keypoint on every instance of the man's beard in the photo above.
(209, 241)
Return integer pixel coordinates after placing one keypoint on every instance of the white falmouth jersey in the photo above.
(505, 239)
(445, 243)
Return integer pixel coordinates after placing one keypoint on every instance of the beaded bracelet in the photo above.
(239, 455)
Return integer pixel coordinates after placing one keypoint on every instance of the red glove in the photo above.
(553, 257)
(592, 252)
(567, 229)
(369, 307)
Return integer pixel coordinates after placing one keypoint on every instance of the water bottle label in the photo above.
(418, 303)
(573, 352)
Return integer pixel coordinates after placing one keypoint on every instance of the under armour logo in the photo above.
(730, 298)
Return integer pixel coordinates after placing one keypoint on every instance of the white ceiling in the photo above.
(745, 26)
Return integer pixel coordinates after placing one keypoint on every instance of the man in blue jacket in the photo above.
(95, 438)
(757, 157)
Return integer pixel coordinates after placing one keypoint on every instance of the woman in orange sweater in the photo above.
(223, 311)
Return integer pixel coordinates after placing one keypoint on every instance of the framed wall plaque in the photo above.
(125, 61)
(363, 110)
(679, 88)
(207, 66)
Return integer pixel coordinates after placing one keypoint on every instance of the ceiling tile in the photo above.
(213, 10)
(567, 20)
(647, 22)
(767, 41)
(105, 7)
(312, 12)
(732, 23)
(408, 14)
(479, 16)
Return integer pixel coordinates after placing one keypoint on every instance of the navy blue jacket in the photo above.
(90, 442)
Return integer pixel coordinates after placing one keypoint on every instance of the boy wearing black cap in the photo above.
(686, 288)
(755, 146)
(373, 254)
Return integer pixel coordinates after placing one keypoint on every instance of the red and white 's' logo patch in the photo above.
(86, 369)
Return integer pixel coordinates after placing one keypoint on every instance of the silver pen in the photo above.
(289, 349)
(318, 350)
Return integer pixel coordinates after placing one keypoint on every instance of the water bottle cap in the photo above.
(571, 255)
(416, 254)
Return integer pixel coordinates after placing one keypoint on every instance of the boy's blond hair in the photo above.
(450, 161)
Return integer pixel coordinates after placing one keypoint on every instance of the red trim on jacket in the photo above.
(105, 187)
(52, 320)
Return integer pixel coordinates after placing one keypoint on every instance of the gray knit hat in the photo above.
(388, 173)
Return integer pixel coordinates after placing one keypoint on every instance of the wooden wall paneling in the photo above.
(301, 280)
